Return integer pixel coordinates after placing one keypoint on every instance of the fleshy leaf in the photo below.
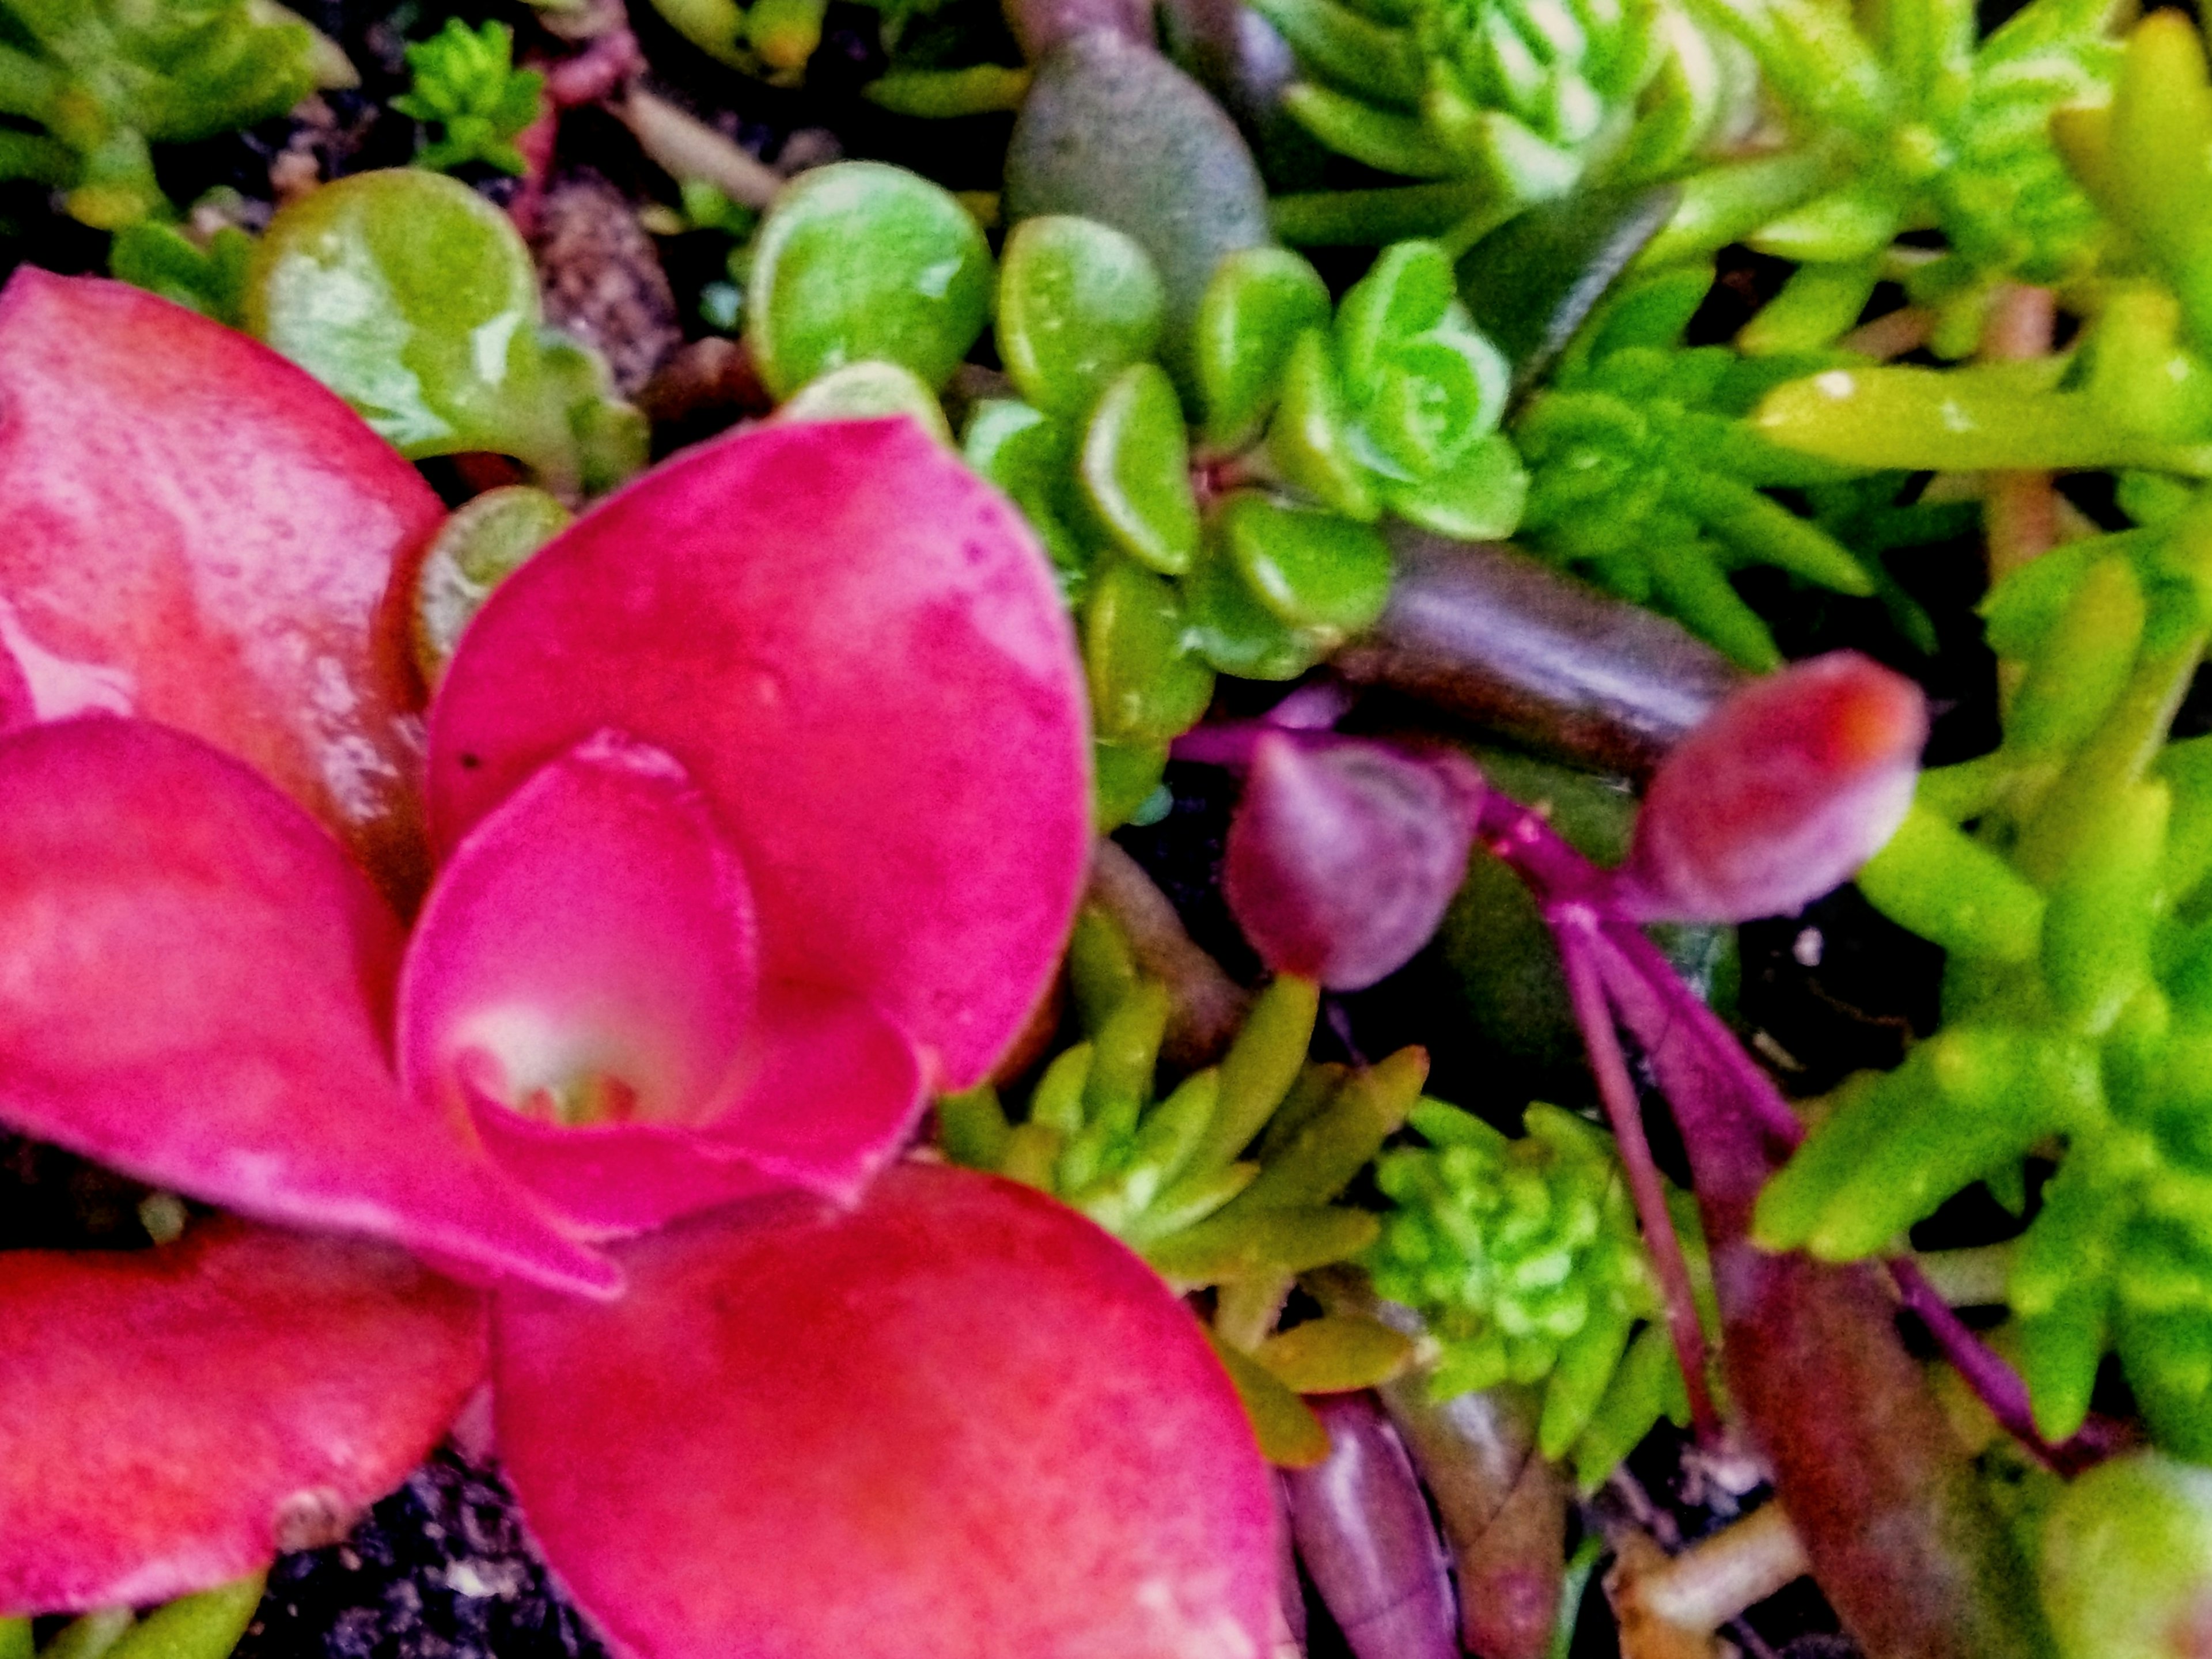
(196, 991)
(213, 551)
(1343, 856)
(171, 1419)
(803, 1428)
(591, 942)
(859, 652)
(830, 1096)
(1792, 784)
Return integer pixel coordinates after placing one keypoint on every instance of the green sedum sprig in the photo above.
(1522, 98)
(1912, 123)
(465, 83)
(87, 87)
(1525, 1258)
(1645, 475)
(2078, 999)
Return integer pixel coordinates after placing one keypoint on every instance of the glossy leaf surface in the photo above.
(858, 654)
(1342, 858)
(1790, 786)
(199, 995)
(803, 1428)
(213, 552)
(859, 260)
(171, 1419)
(1078, 302)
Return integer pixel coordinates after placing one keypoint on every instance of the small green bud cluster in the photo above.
(1645, 475)
(1528, 97)
(1252, 550)
(86, 86)
(466, 83)
(2077, 916)
(1918, 123)
(1525, 1259)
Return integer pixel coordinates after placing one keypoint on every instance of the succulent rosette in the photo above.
(759, 803)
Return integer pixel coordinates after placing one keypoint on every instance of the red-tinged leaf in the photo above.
(590, 944)
(858, 650)
(957, 1422)
(829, 1099)
(199, 533)
(1344, 854)
(1780, 795)
(195, 984)
(171, 1419)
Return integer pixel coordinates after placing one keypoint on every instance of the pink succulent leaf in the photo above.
(1344, 853)
(171, 1419)
(832, 1093)
(857, 649)
(199, 533)
(592, 941)
(959, 1413)
(1784, 792)
(195, 984)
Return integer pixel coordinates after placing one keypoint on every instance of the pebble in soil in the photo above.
(440, 1570)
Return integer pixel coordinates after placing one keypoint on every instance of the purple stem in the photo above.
(1682, 1035)
(1571, 926)
(1997, 1384)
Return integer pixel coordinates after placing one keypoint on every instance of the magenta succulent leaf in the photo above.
(829, 1097)
(200, 533)
(793, 1435)
(198, 991)
(1343, 853)
(857, 651)
(1780, 794)
(170, 1419)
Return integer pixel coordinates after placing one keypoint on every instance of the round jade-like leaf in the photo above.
(1310, 440)
(1114, 131)
(1309, 569)
(1237, 633)
(1259, 301)
(484, 543)
(1135, 470)
(1146, 685)
(869, 390)
(1478, 497)
(863, 260)
(1078, 302)
(1031, 458)
(415, 300)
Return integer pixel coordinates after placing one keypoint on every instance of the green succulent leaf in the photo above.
(466, 84)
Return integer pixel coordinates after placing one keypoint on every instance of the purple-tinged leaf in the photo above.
(1344, 853)
(1363, 1529)
(1779, 796)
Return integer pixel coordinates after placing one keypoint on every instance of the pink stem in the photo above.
(1571, 924)
(2020, 512)
(1997, 1384)
(1892, 334)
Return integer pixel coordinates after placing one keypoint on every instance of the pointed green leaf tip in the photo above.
(466, 83)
